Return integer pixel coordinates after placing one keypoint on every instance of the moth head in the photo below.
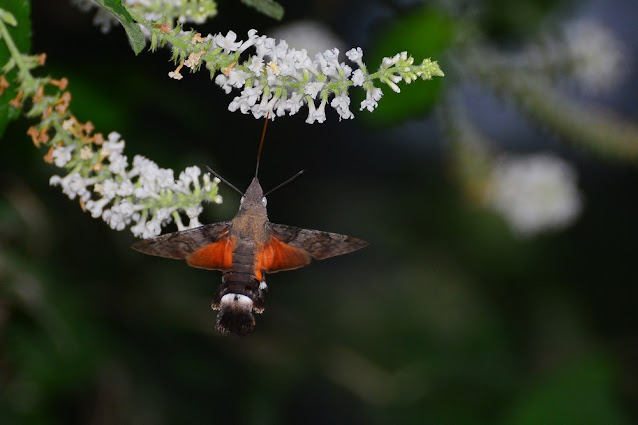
(235, 315)
(253, 198)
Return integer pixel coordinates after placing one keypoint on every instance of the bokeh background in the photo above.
(447, 318)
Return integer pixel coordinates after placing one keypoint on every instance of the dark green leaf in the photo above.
(267, 7)
(133, 31)
(21, 34)
(423, 34)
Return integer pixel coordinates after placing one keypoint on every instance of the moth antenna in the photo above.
(225, 181)
(261, 143)
(285, 183)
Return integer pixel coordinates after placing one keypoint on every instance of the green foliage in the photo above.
(580, 394)
(425, 33)
(267, 7)
(133, 31)
(19, 10)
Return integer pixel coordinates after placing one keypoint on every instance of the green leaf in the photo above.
(20, 11)
(267, 7)
(133, 31)
(8, 18)
(426, 33)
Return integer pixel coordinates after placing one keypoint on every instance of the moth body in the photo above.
(244, 250)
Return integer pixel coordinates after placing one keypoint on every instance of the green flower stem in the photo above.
(594, 128)
(25, 75)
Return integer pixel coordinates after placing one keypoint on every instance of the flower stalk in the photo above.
(16, 57)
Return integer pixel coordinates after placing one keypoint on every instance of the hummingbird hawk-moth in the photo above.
(244, 250)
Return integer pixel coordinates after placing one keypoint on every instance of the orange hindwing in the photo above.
(214, 256)
(277, 256)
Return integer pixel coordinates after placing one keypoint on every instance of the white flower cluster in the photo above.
(535, 193)
(276, 80)
(144, 195)
(598, 56)
(194, 11)
(280, 80)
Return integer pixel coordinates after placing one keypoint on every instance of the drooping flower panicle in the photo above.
(275, 79)
(98, 174)
(282, 80)
(143, 195)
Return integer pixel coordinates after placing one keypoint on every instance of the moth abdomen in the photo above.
(235, 315)
(237, 298)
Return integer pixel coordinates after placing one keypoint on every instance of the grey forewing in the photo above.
(179, 245)
(318, 244)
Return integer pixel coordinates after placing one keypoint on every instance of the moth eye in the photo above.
(241, 201)
(263, 201)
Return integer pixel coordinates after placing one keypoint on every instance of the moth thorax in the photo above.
(235, 315)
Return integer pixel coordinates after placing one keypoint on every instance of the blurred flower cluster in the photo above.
(597, 58)
(534, 192)
(581, 50)
(538, 192)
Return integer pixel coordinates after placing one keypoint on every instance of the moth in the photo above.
(245, 249)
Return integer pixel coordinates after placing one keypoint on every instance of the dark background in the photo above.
(446, 319)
